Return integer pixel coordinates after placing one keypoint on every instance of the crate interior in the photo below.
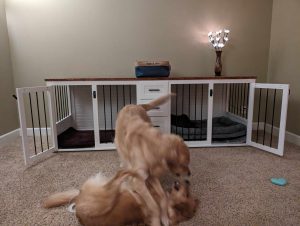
(230, 109)
(111, 99)
(76, 128)
(189, 110)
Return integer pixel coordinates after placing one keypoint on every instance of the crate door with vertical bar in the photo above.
(37, 122)
(267, 116)
(191, 111)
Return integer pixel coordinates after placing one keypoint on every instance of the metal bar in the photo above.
(226, 97)
(176, 106)
(243, 100)
(230, 98)
(247, 93)
(258, 114)
(56, 103)
(69, 100)
(45, 114)
(123, 95)
(104, 111)
(62, 101)
(39, 120)
(235, 99)
(111, 119)
(59, 103)
(195, 109)
(182, 105)
(32, 123)
(65, 101)
(189, 86)
(201, 112)
(266, 112)
(117, 92)
(239, 99)
(130, 94)
(274, 101)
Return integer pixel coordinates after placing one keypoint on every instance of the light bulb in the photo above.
(226, 31)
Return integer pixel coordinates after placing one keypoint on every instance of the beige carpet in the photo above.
(233, 185)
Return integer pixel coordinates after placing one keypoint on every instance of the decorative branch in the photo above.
(218, 39)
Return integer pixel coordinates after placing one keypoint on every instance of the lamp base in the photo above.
(218, 66)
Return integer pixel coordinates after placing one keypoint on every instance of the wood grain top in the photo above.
(147, 79)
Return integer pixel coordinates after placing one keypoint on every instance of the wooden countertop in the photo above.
(145, 79)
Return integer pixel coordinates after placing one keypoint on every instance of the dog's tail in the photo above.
(159, 101)
(60, 199)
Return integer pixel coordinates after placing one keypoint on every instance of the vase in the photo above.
(218, 66)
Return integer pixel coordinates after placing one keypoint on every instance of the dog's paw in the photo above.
(72, 208)
(165, 220)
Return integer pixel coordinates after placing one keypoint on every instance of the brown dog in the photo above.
(145, 150)
(102, 202)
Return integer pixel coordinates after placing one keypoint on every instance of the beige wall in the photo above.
(284, 59)
(8, 110)
(75, 38)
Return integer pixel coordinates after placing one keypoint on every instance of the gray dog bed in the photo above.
(223, 128)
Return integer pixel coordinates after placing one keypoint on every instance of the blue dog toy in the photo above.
(279, 181)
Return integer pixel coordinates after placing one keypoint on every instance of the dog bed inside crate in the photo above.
(72, 138)
(223, 129)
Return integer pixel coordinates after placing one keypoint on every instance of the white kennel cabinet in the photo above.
(79, 114)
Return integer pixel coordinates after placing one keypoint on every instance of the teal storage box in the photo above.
(152, 69)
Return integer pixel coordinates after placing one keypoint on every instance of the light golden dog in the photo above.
(145, 150)
(103, 202)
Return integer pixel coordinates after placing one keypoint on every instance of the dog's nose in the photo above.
(189, 173)
(187, 182)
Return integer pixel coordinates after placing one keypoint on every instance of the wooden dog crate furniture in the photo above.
(78, 114)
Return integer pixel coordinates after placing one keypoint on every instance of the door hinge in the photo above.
(94, 94)
(211, 92)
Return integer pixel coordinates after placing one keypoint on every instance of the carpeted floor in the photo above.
(233, 185)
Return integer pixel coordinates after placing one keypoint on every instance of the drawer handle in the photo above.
(154, 90)
(156, 108)
(156, 126)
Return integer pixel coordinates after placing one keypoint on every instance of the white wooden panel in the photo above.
(162, 123)
(152, 89)
(83, 108)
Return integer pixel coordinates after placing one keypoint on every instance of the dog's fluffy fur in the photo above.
(149, 152)
(103, 202)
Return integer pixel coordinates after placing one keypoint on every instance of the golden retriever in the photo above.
(103, 202)
(145, 150)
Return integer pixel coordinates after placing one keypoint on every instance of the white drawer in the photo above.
(162, 110)
(150, 89)
(162, 123)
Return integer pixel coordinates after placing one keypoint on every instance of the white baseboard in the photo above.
(37, 131)
(292, 138)
(9, 137)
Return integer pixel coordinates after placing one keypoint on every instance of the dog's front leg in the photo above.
(151, 204)
(163, 199)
